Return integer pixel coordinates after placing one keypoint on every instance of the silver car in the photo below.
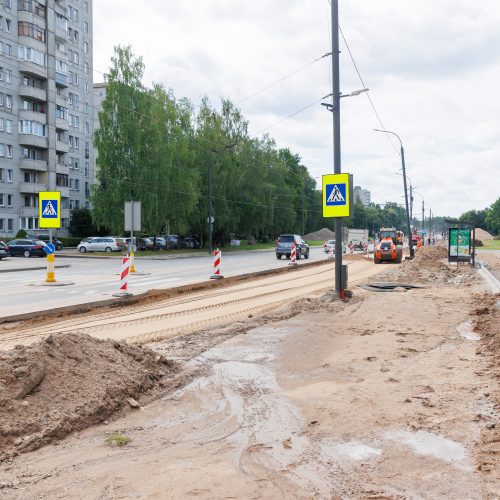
(106, 244)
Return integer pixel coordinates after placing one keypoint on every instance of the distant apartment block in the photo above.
(99, 94)
(362, 195)
(46, 109)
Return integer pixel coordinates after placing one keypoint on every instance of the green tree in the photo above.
(492, 218)
(475, 217)
(81, 222)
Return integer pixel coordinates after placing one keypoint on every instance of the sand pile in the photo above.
(429, 266)
(320, 235)
(69, 382)
(483, 235)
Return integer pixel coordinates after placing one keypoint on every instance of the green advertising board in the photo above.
(459, 246)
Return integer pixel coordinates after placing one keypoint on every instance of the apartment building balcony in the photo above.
(29, 164)
(33, 116)
(62, 168)
(32, 187)
(28, 212)
(62, 100)
(34, 140)
(63, 190)
(62, 124)
(62, 147)
(32, 92)
(61, 79)
(32, 69)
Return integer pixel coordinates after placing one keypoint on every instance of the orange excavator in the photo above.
(390, 246)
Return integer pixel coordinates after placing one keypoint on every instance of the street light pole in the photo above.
(410, 242)
(336, 137)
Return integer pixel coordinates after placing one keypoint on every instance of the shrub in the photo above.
(478, 243)
(70, 241)
(21, 233)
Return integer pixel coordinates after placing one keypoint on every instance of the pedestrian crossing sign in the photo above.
(337, 195)
(49, 209)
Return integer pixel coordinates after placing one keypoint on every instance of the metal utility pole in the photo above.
(336, 137)
(403, 165)
(411, 202)
(423, 218)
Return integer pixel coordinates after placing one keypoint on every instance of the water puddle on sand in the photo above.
(426, 443)
(351, 450)
(466, 331)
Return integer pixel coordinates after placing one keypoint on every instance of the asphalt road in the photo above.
(98, 279)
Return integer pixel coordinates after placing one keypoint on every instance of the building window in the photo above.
(62, 113)
(30, 177)
(10, 151)
(30, 127)
(86, 7)
(8, 101)
(10, 225)
(62, 180)
(86, 47)
(32, 55)
(32, 30)
(87, 131)
(32, 6)
(9, 200)
(2, 200)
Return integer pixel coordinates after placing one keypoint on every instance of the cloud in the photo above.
(432, 67)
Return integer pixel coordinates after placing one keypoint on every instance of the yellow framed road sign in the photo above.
(337, 196)
(49, 209)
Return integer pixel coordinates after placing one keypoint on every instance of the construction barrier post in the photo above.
(51, 273)
(217, 264)
(124, 278)
(330, 253)
(293, 255)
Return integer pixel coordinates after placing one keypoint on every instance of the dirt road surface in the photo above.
(390, 395)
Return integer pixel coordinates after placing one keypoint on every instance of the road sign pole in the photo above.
(51, 274)
(132, 242)
(336, 138)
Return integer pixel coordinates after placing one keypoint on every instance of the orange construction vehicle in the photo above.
(390, 246)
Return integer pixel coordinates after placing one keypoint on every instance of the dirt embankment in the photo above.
(70, 382)
(486, 322)
(430, 266)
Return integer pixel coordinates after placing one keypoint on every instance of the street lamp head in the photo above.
(357, 92)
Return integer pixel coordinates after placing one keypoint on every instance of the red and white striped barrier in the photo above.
(293, 255)
(217, 264)
(124, 275)
(330, 253)
(351, 247)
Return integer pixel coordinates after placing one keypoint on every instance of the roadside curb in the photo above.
(41, 268)
(488, 277)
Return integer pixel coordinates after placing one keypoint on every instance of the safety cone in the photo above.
(217, 262)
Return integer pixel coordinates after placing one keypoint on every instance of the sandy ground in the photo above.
(390, 395)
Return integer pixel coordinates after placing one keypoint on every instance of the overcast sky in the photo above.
(433, 69)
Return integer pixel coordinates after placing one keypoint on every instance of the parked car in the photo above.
(106, 244)
(142, 244)
(190, 242)
(284, 246)
(46, 239)
(27, 248)
(331, 244)
(172, 241)
(4, 250)
(157, 242)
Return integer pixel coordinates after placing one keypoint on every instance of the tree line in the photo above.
(159, 149)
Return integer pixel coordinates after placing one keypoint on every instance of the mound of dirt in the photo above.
(486, 318)
(429, 266)
(68, 382)
(483, 235)
(320, 235)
